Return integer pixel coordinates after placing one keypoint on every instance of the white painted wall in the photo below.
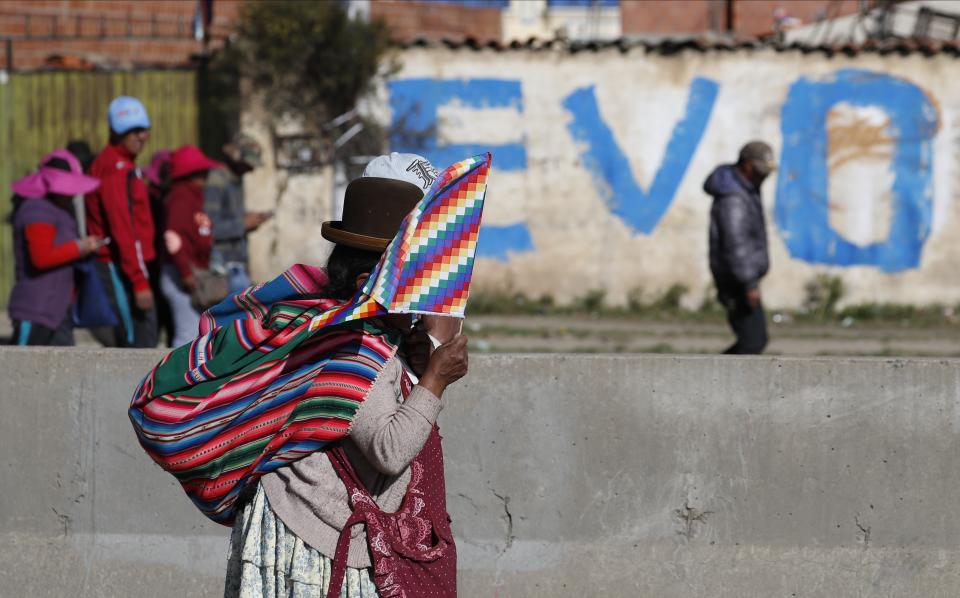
(579, 244)
(523, 19)
(301, 203)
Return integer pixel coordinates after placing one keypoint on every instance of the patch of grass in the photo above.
(912, 315)
(670, 301)
(635, 303)
(592, 302)
(879, 315)
(823, 294)
(666, 306)
(504, 301)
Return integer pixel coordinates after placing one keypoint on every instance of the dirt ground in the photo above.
(585, 334)
(597, 335)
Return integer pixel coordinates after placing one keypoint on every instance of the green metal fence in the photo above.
(42, 111)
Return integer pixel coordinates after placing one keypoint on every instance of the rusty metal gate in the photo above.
(42, 111)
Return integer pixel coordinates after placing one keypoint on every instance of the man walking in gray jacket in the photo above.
(738, 243)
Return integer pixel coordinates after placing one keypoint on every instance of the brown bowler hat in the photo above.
(373, 209)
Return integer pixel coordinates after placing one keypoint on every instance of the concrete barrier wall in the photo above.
(655, 476)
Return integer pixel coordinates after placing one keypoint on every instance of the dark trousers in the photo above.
(138, 328)
(164, 316)
(748, 323)
(32, 334)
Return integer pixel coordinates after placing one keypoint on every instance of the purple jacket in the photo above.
(41, 296)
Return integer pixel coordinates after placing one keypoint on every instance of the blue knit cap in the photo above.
(126, 113)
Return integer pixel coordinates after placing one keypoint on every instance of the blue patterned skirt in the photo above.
(269, 561)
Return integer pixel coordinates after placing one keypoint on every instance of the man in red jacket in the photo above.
(120, 210)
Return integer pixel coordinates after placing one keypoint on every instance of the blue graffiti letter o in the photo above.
(802, 203)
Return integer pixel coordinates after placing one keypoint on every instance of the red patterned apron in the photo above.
(413, 552)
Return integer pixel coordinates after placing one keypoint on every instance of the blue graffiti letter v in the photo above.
(612, 176)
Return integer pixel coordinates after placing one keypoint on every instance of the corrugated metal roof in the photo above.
(901, 46)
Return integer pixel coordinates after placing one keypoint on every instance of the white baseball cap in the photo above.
(403, 167)
(125, 113)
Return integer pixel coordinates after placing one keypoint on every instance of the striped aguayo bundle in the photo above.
(259, 389)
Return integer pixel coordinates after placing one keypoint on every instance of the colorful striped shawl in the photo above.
(257, 390)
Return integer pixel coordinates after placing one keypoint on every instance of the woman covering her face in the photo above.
(298, 534)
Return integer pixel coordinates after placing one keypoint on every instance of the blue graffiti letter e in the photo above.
(414, 103)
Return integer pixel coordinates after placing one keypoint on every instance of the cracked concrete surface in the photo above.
(864, 536)
(689, 517)
(567, 476)
(508, 520)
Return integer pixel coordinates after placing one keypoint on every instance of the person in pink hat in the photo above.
(46, 244)
(187, 238)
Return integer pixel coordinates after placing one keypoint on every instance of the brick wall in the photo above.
(409, 20)
(114, 32)
(750, 17)
(158, 32)
(656, 17)
(755, 17)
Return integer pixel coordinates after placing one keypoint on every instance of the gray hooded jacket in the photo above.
(738, 234)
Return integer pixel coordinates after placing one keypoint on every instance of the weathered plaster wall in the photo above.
(301, 202)
(599, 160)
